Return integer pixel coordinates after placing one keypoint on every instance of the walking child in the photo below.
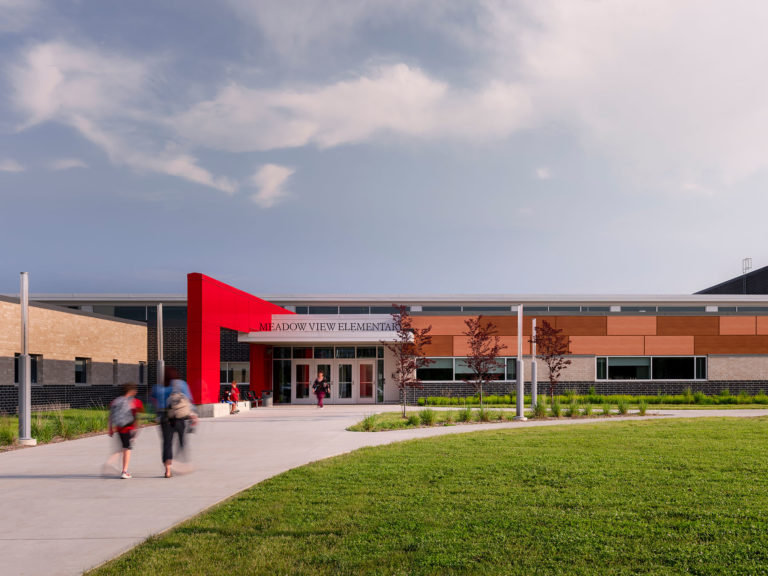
(122, 419)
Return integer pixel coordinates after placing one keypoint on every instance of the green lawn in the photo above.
(59, 424)
(651, 497)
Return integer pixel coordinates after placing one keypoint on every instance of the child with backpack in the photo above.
(122, 419)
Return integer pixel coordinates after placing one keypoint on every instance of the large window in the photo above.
(651, 368)
(456, 369)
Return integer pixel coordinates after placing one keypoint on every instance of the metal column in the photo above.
(534, 379)
(25, 367)
(520, 415)
(160, 355)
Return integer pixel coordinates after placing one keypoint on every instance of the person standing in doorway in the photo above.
(321, 387)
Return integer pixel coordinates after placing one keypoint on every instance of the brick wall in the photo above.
(61, 397)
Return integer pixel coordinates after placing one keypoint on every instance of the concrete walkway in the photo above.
(60, 515)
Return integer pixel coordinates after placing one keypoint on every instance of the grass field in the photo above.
(642, 497)
(59, 424)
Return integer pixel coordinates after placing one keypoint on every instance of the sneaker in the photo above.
(126, 475)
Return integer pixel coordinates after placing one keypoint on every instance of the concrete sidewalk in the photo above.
(60, 515)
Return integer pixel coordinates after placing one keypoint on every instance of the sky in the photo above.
(382, 147)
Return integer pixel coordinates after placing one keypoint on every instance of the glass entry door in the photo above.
(351, 380)
(344, 382)
(365, 371)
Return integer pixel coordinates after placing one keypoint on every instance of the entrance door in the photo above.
(325, 368)
(302, 375)
(344, 383)
(366, 372)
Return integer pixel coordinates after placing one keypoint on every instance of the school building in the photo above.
(216, 334)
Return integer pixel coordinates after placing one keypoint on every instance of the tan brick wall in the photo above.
(738, 368)
(59, 335)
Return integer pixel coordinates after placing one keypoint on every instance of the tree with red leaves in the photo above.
(408, 349)
(484, 348)
(552, 348)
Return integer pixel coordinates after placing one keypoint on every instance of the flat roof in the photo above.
(426, 300)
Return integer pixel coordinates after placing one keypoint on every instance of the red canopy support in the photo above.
(212, 305)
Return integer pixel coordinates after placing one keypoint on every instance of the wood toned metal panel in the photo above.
(668, 345)
(505, 325)
(461, 346)
(731, 345)
(608, 345)
(688, 325)
(762, 324)
(441, 346)
(737, 325)
(583, 325)
(631, 325)
(441, 325)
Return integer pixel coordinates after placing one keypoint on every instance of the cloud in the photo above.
(105, 97)
(395, 99)
(270, 180)
(67, 164)
(17, 15)
(10, 165)
(670, 90)
(543, 173)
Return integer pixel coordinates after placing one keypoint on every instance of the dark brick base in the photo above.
(59, 397)
(709, 387)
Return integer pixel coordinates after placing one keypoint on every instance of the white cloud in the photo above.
(16, 15)
(105, 98)
(394, 99)
(270, 180)
(670, 90)
(543, 173)
(10, 165)
(67, 164)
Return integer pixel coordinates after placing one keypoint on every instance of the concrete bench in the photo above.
(220, 409)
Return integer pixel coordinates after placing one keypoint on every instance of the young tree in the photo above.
(552, 347)
(408, 351)
(484, 347)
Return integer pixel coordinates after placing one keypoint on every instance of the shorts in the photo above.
(126, 438)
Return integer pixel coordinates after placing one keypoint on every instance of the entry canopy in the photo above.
(286, 328)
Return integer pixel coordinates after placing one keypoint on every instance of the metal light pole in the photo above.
(746, 266)
(520, 415)
(25, 369)
(534, 383)
(160, 361)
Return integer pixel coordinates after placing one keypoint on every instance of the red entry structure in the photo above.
(211, 306)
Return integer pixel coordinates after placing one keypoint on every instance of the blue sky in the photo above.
(400, 146)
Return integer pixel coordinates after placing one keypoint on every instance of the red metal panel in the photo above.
(212, 305)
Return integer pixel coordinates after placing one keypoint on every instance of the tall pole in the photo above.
(520, 415)
(25, 370)
(534, 383)
(160, 355)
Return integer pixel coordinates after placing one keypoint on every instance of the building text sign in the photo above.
(324, 328)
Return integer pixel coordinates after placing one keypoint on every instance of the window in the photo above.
(345, 352)
(366, 352)
(281, 352)
(602, 368)
(651, 368)
(353, 310)
(115, 370)
(302, 352)
(701, 368)
(142, 372)
(35, 366)
(464, 372)
(511, 368)
(324, 352)
(638, 368)
(82, 366)
(673, 369)
(441, 369)
(323, 309)
(281, 380)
